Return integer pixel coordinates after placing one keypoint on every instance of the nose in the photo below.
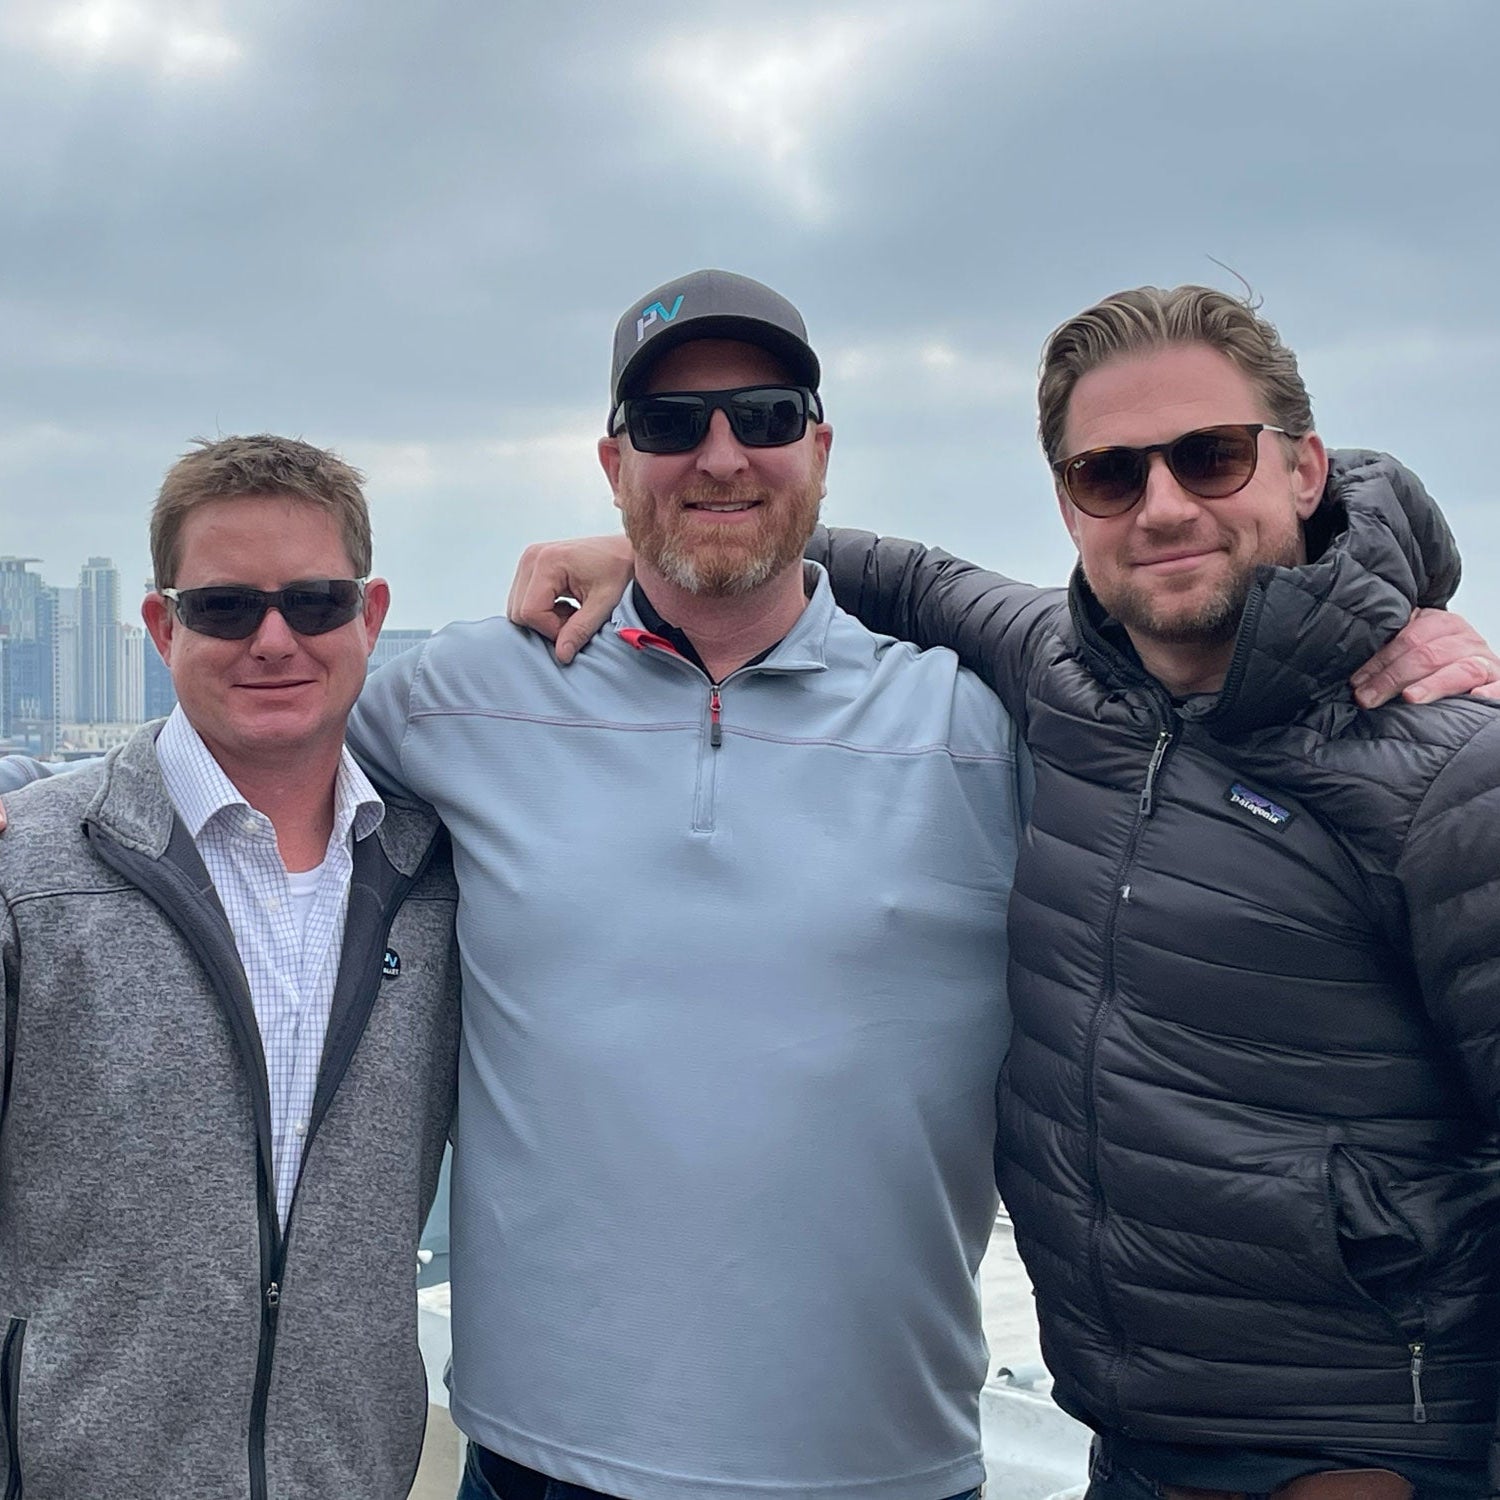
(1165, 504)
(720, 455)
(273, 637)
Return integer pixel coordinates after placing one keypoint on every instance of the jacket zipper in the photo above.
(1418, 1406)
(1158, 755)
(10, 1394)
(1415, 1348)
(715, 727)
(1240, 661)
(1165, 734)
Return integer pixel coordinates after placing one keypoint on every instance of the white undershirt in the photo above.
(304, 891)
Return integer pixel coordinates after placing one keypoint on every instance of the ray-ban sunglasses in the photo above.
(760, 416)
(1212, 463)
(232, 611)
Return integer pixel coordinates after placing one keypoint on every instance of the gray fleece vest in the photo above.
(159, 1335)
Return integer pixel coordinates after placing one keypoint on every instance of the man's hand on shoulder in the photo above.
(1437, 654)
(593, 571)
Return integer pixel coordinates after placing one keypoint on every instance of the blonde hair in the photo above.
(1151, 317)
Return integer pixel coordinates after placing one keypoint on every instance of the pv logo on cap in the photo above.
(1258, 805)
(652, 313)
(390, 966)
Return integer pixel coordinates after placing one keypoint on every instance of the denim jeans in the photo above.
(475, 1486)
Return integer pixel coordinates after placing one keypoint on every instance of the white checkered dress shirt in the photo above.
(291, 977)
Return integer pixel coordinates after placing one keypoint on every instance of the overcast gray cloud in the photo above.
(408, 235)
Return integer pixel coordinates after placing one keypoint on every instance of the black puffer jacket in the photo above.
(1247, 1120)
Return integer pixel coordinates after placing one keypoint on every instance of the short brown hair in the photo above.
(244, 467)
(1150, 317)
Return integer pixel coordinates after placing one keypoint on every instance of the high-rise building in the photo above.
(60, 642)
(19, 591)
(99, 642)
(19, 588)
(131, 706)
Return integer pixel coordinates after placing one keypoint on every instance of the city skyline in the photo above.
(77, 678)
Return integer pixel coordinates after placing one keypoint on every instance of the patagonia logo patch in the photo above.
(390, 966)
(1259, 805)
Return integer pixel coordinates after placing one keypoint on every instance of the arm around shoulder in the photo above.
(923, 594)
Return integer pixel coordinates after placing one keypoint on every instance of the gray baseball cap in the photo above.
(708, 305)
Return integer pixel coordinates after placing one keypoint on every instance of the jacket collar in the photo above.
(133, 808)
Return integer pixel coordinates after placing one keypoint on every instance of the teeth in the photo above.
(706, 505)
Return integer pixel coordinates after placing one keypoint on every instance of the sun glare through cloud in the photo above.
(776, 98)
(173, 41)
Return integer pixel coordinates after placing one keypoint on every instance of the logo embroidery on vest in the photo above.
(391, 966)
(1259, 806)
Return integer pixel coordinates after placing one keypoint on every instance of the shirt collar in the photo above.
(802, 648)
(198, 787)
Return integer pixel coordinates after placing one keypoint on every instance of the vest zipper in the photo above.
(270, 1307)
(1418, 1406)
(10, 1394)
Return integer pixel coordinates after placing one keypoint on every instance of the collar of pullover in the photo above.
(802, 649)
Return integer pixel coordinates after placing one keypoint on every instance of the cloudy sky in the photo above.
(407, 231)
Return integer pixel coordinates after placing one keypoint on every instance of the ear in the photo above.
(1068, 509)
(156, 611)
(1309, 474)
(610, 458)
(823, 444)
(377, 602)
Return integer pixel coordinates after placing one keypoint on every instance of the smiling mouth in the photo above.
(1177, 559)
(722, 507)
(271, 687)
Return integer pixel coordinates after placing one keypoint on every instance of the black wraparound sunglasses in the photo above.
(1209, 462)
(760, 416)
(232, 611)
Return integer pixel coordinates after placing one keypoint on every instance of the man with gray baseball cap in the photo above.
(721, 1175)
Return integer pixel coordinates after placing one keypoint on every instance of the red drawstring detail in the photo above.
(634, 636)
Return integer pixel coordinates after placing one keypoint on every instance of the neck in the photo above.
(1185, 667)
(730, 629)
(298, 799)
